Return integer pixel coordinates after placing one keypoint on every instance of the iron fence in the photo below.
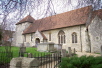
(5, 57)
(51, 60)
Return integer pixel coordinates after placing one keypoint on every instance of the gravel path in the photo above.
(87, 54)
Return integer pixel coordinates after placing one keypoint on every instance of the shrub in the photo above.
(81, 62)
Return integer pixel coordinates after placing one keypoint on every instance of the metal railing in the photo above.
(5, 57)
(46, 60)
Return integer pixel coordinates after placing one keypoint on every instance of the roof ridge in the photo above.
(66, 19)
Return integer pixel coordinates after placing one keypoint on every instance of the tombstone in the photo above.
(22, 51)
(45, 47)
(23, 62)
(30, 63)
(69, 51)
(74, 51)
(30, 55)
(16, 62)
(27, 44)
(101, 50)
(63, 53)
(58, 47)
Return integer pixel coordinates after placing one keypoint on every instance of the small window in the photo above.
(74, 37)
(49, 36)
(31, 37)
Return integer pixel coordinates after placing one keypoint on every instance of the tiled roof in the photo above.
(26, 19)
(71, 18)
(98, 13)
(44, 37)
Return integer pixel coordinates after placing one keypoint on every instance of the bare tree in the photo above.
(14, 10)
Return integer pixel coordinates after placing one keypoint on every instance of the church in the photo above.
(80, 29)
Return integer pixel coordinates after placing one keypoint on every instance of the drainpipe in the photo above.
(80, 38)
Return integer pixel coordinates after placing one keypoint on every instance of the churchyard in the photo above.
(45, 59)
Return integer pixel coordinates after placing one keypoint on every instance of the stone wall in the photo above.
(80, 30)
(19, 30)
(95, 33)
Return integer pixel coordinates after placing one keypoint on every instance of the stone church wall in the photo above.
(19, 30)
(95, 32)
(80, 30)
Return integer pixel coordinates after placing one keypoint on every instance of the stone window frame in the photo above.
(50, 36)
(61, 37)
(74, 37)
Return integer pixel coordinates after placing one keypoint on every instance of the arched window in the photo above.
(74, 37)
(61, 37)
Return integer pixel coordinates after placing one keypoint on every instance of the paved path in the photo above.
(87, 54)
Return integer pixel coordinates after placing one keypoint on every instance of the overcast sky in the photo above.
(44, 9)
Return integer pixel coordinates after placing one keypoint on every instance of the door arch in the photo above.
(37, 40)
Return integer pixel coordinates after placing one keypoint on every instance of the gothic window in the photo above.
(61, 37)
(74, 37)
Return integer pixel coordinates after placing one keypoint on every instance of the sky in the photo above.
(43, 9)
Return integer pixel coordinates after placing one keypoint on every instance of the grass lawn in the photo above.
(15, 50)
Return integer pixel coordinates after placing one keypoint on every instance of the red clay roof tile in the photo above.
(71, 18)
(26, 19)
(98, 13)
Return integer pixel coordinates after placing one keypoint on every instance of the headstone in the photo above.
(30, 63)
(27, 44)
(23, 62)
(30, 55)
(16, 62)
(74, 51)
(69, 51)
(45, 47)
(21, 51)
(63, 53)
(101, 50)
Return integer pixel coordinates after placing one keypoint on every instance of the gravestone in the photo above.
(74, 51)
(69, 51)
(58, 47)
(22, 51)
(45, 47)
(27, 44)
(30, 55)
(63, 53)
(101, 50)
(23, 62)
(16, 62)
(30, 63)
